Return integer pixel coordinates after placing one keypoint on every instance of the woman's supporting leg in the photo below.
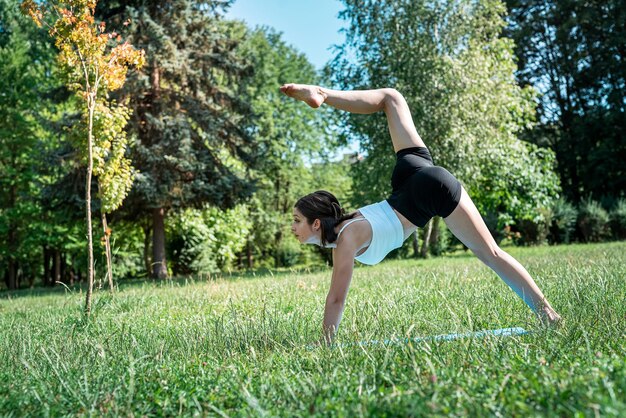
(401, 126)
(467, 225)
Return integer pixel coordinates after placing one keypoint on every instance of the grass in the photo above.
(237, 346)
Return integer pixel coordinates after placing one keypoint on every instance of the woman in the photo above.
(421, 190)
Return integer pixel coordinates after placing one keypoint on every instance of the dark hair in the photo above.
(324, 206)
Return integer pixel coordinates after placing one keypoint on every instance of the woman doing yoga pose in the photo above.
(420, 190)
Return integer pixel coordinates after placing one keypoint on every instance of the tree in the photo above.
(187, 113)
(287, 133)
(91, 72)
(18, 139)
(573, 52)
(30, 91)
(457, 74)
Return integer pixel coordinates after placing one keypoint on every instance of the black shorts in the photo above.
(421, 189)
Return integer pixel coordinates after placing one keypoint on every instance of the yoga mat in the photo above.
(502, 332)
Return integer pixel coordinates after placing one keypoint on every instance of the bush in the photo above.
(188, 244)
(206, 241)
(514, 180)
(534, 231)
(618, 219)
(289, 252)
(563, 222)
(493, 223)
(593, 221)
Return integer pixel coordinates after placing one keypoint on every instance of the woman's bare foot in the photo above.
(550, 318)
(311, 95)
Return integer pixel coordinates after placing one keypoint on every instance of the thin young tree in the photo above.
(113, 170)
(96, 62)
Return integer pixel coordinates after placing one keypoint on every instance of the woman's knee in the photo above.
(393, 96)
(489, 254)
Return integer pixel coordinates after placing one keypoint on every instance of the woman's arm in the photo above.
(343, 264)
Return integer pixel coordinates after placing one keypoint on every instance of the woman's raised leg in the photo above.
(401, 126)
(467, 225)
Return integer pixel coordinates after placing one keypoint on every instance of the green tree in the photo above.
(187, 112)
(457, 74)
(92, 68)
(18, 138)
(29, 91)
(573, 53)
(288, 135)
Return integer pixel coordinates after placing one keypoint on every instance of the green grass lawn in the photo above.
(236, 346)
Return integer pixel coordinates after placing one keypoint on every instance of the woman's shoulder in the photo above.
(353, 230)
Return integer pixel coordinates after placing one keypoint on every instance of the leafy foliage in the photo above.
(593, 221)
(572, 52)
(28, 88)
(83, 44)
(522, 192)
(457, 74)
(618, 219)
(289, 135)
(207, 241)
(563, 225)
(187, 107)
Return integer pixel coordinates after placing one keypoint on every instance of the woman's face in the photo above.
(305, 233)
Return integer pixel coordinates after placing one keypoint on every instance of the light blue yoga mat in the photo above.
(503, 332)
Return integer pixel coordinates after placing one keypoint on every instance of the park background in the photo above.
(213, 307)
(523, 101)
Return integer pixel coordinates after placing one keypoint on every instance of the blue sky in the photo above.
(311, 26)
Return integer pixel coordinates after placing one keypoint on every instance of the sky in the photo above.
(311, 26)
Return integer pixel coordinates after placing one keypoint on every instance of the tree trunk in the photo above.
(74, 272)
(31, 281)
(159, 264)
(434, 236)
(12, 274)
(12, 241)
(147, 236)
(18, 275)
(91, 103)
(57, 267)
(427, 232)
(249, 249)
(63, 268)
(416, 243)
(277, 239)
(46, 267)
(278, 235)
(107, 245)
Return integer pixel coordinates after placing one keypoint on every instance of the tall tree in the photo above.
(25, 57)
(457, 74)
(573, 53)
(40, 224)
(190, 148)
(288, 135)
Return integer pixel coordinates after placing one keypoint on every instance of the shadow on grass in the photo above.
(178, 281)
(121, 284)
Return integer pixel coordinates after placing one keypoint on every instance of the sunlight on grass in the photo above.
(238, 346)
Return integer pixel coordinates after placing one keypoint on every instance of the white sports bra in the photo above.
(387, 232)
